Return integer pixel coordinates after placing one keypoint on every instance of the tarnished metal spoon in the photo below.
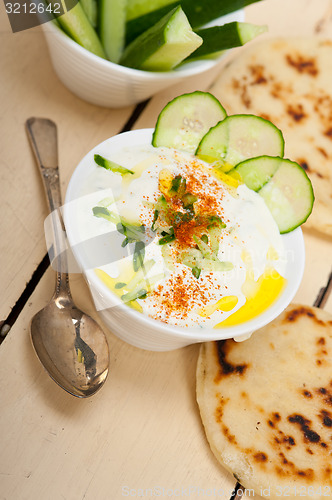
(69, 343)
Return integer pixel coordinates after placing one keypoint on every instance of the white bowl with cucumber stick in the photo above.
(90, 74)
(229, 145)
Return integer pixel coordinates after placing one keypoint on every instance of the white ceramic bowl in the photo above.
(134, 327)
(101, 82)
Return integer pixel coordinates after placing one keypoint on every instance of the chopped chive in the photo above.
(139, 254)
(167, 237)
(119, 284)
(132, 233)
(205, 238)
(101, 212)
(155, 217)
(135, 294)
(111, 165)
(125, 242)
(104, 213)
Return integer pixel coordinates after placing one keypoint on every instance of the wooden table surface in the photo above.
(141, 435)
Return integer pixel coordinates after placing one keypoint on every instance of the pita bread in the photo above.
(266, 405)
(289, 82)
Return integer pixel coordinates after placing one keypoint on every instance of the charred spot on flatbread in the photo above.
(266, 404)
(302, 63)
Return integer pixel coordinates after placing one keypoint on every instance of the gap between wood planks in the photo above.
(320, 302)
(6, 324)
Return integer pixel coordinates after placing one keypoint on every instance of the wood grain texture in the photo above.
(29, 87)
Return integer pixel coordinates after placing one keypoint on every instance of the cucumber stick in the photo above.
(198, 13)
(239, 137)
(112, 27)
(164, 45)
(186, 119)
(90, 8)
(76, 24)
(225, 37)
(289, 196)
(137, 8)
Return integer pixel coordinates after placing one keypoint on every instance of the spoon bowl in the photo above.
(70, 344)
(72, 348)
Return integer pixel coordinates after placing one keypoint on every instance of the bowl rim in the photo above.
(190, 69)
(293, 241)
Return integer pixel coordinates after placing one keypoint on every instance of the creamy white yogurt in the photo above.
(250, 242)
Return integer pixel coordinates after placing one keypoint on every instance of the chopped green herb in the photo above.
(188, 200)
(139, 254)
(178, 218)
(125, 242)
(111, 165)
(176, 183)
(135, 294)
(168, 237)
(196, 272)
(155, 217)
(216, 220)
(205, 238)
(104, 213)
(132, 232)
(119, 284)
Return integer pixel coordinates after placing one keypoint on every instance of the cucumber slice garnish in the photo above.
(289, 196)
(186, 119)
(256, 172)
(239, 137)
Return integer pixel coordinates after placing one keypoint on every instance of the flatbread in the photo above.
(289, 81)
(266, 405)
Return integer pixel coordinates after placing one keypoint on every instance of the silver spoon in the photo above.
(69, 343)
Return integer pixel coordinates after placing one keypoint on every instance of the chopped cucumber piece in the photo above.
(198, 13)
(140, 275)
(186, 119)
(111, 165)
(136, 8)
(113, 27)
(289, 196)
(239, 137)
(90, 8)
(164, 45)
(256, 172)
(76, 24)
(218, 38)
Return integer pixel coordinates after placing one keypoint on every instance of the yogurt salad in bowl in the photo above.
(189, 232)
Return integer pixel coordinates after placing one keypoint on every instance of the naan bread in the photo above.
(266, 405)
(289, 81)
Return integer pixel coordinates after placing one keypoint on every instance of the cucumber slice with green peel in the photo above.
(113, 27)
(239, 137)
(198, 13)
(256, 172)
(186, 119)
(76, 24)
(164, 45)
(227, 36)
(289, 196)
(137, 8)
